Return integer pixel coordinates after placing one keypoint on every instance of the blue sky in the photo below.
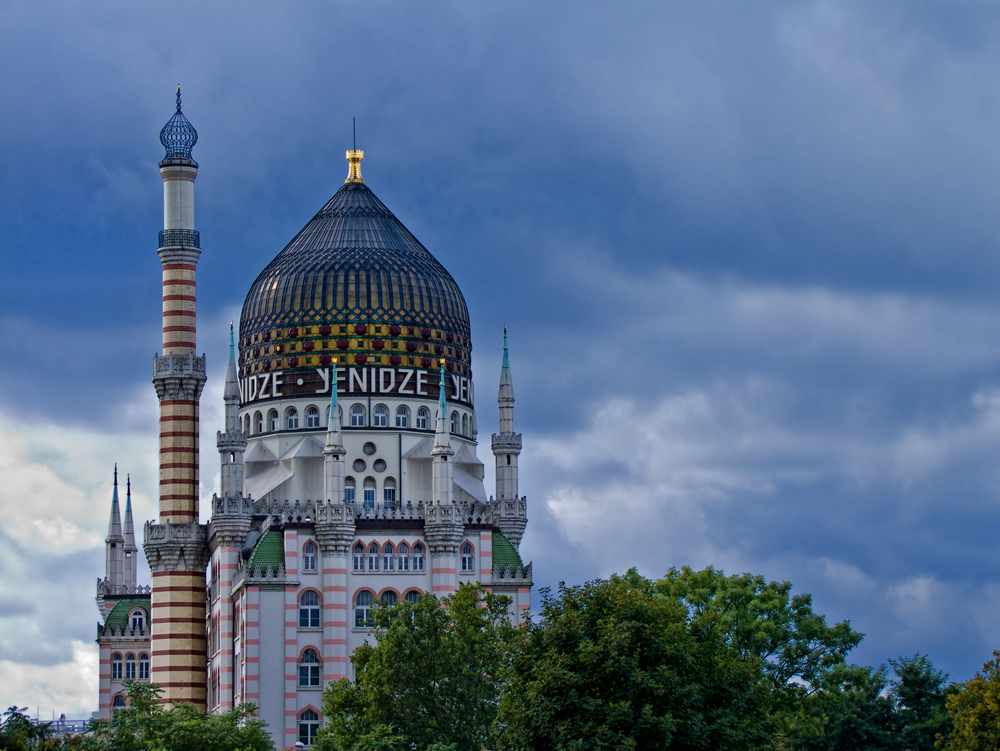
(749, 258)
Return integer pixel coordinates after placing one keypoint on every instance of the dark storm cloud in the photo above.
(767, 232)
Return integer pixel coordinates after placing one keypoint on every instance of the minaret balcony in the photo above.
(180, 238)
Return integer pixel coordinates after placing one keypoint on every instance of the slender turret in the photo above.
(333, 463)
(442, 452)
(506, 449)
(176, 547)
(129, 560)
(232, 443)
(114, 543)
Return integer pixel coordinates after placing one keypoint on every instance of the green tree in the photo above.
(146, 725)
(612, 665)
(974, 709)
(849, 709)
(920, 694)
(431, 677)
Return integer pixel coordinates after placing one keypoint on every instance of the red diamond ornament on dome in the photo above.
(394, 330)
(342, 344)
(293, 362)
(425, 362)
(360, 359)
(325, 330)
(325, 359)
(378, 344)
(439, 349)
(360, 328)
(425, 333)
(411, 346)
(395, 359)
(293, 331)
(308, 346)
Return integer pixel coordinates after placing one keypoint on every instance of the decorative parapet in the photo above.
(512, 575)
(168, 545)
(123, 633)
(509, 442)
(178, 376)
(266, 575)
(319, 512)
(179, 238)
(105, 589)
(230, 521)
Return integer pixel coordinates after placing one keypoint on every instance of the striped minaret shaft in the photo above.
(177, 547)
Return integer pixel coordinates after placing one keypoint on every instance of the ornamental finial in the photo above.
(354, 157)
(178, 135)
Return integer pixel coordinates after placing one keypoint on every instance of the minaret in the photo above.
(114, 544)
(442, 527)
(512, 518)
(129, 561)
(176, 547)
(333, 463)
(232, 443)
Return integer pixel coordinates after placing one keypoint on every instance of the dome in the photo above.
(354, 286)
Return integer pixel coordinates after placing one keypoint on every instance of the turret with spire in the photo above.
(232, 443)
(130, 549)
(114, 544)
(333, 452)
(509, 508)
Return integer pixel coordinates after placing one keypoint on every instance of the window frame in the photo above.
(309, 559)
(310, 612)
(308, 724)
(402, 417)
(143, 666)
(359, 557)
(418, 557)
(291, 419)
(423, 416)
(310, 669)
(380, 416)
(312, 412)
(468, 558)
(358, 416)
(117, 666)
(363, 612)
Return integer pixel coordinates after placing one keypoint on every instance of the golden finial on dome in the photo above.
(354, 157)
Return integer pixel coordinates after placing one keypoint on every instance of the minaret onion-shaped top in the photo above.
(178, 135)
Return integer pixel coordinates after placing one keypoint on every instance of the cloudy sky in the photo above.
(749, 255)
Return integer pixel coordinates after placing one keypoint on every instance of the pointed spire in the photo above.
(442, 438)
(129, 529)
(232, 384)
(506, 384)
(115, 523)
(333, 423)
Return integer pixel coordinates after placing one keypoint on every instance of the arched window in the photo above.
(246, 425)
(468, 558)
(389, 599)
(116, 667)
(373, 556)
(363, 609)
(389, 493)
(357, 416)
(309, 557)
(291, 419)
(388, 557)
(369, 494)
(309, 668)
(309, 610)
(348, 490)
(465, 425)
(308, 727)
(118, 702)
(272, 420)
(418, 557)
(312, 417)
(144, 667)
(404, 557)
(412, 596)
(380, 416)
(258, 421)
(359, 557)
(138, 619)
(130, 665)
(454, 422)
(402, 417)
(422, 415)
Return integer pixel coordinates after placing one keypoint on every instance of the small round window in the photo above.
(379, 465)
(369, 448)
(359, 465)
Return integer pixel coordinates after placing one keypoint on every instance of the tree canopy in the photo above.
(429, 682)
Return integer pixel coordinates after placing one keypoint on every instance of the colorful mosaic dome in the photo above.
(354, 286)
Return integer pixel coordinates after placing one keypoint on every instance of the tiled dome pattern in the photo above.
(354, 284)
